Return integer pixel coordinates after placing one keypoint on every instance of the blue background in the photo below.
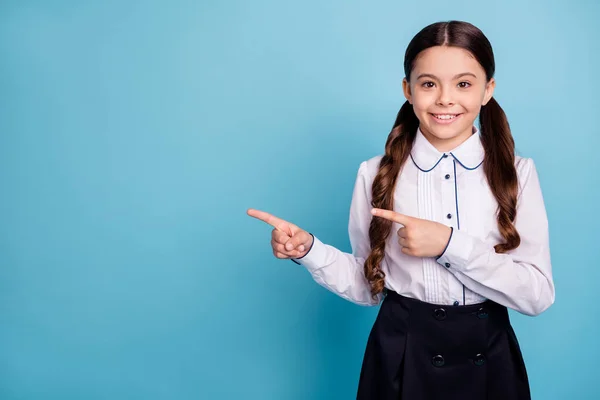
(134, 135)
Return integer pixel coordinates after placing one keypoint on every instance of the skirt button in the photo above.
(438, 361)
(479, 360)
(439, 314)
(482, 313)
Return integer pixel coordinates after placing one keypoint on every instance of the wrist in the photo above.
(308, 246)
(448, 236)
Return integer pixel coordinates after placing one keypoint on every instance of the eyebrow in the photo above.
(455, 76)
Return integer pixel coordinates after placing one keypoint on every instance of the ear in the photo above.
(489, 91)
(406, 90)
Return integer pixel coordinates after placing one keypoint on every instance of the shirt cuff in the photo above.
(315, 256)
(458, 250)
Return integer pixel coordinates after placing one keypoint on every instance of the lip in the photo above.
(445, 121)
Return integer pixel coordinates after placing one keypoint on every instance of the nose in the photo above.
(445, 97)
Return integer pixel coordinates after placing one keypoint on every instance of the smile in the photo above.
(445, 118)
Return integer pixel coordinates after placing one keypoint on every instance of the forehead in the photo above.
(445, 62)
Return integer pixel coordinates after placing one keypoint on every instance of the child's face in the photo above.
(437, 88)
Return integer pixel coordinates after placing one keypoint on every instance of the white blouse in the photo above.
(452, 189)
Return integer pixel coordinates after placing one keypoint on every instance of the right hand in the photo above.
(287, 240)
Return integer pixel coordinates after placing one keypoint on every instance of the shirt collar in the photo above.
(469, 153)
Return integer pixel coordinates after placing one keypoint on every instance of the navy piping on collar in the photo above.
(438, 161)
(425, 170)
(464, 166)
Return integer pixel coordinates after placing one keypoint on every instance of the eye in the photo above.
(426, 84)
(464, 85)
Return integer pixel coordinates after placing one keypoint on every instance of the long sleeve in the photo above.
(343, 273)
(520, 279)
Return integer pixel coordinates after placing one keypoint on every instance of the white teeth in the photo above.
(445, 116)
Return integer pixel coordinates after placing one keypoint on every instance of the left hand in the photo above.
(418, 237)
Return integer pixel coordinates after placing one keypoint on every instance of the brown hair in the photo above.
(495, 135)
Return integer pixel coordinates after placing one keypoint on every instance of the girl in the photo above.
(448, 228)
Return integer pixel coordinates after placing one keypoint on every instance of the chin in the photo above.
(444, 132)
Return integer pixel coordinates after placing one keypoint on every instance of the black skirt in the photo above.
(422, 351)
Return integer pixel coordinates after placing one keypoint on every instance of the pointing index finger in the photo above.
(391, 216)
(270, 219)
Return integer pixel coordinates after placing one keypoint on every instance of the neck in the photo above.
(446, 145)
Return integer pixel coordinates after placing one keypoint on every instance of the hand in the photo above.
(418, 237)
(287, 240)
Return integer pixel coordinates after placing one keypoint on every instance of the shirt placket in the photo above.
(451, 217)
(428, 201)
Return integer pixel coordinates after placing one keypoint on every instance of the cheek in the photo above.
(472, 101)
(472, 105)
(423, 102)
